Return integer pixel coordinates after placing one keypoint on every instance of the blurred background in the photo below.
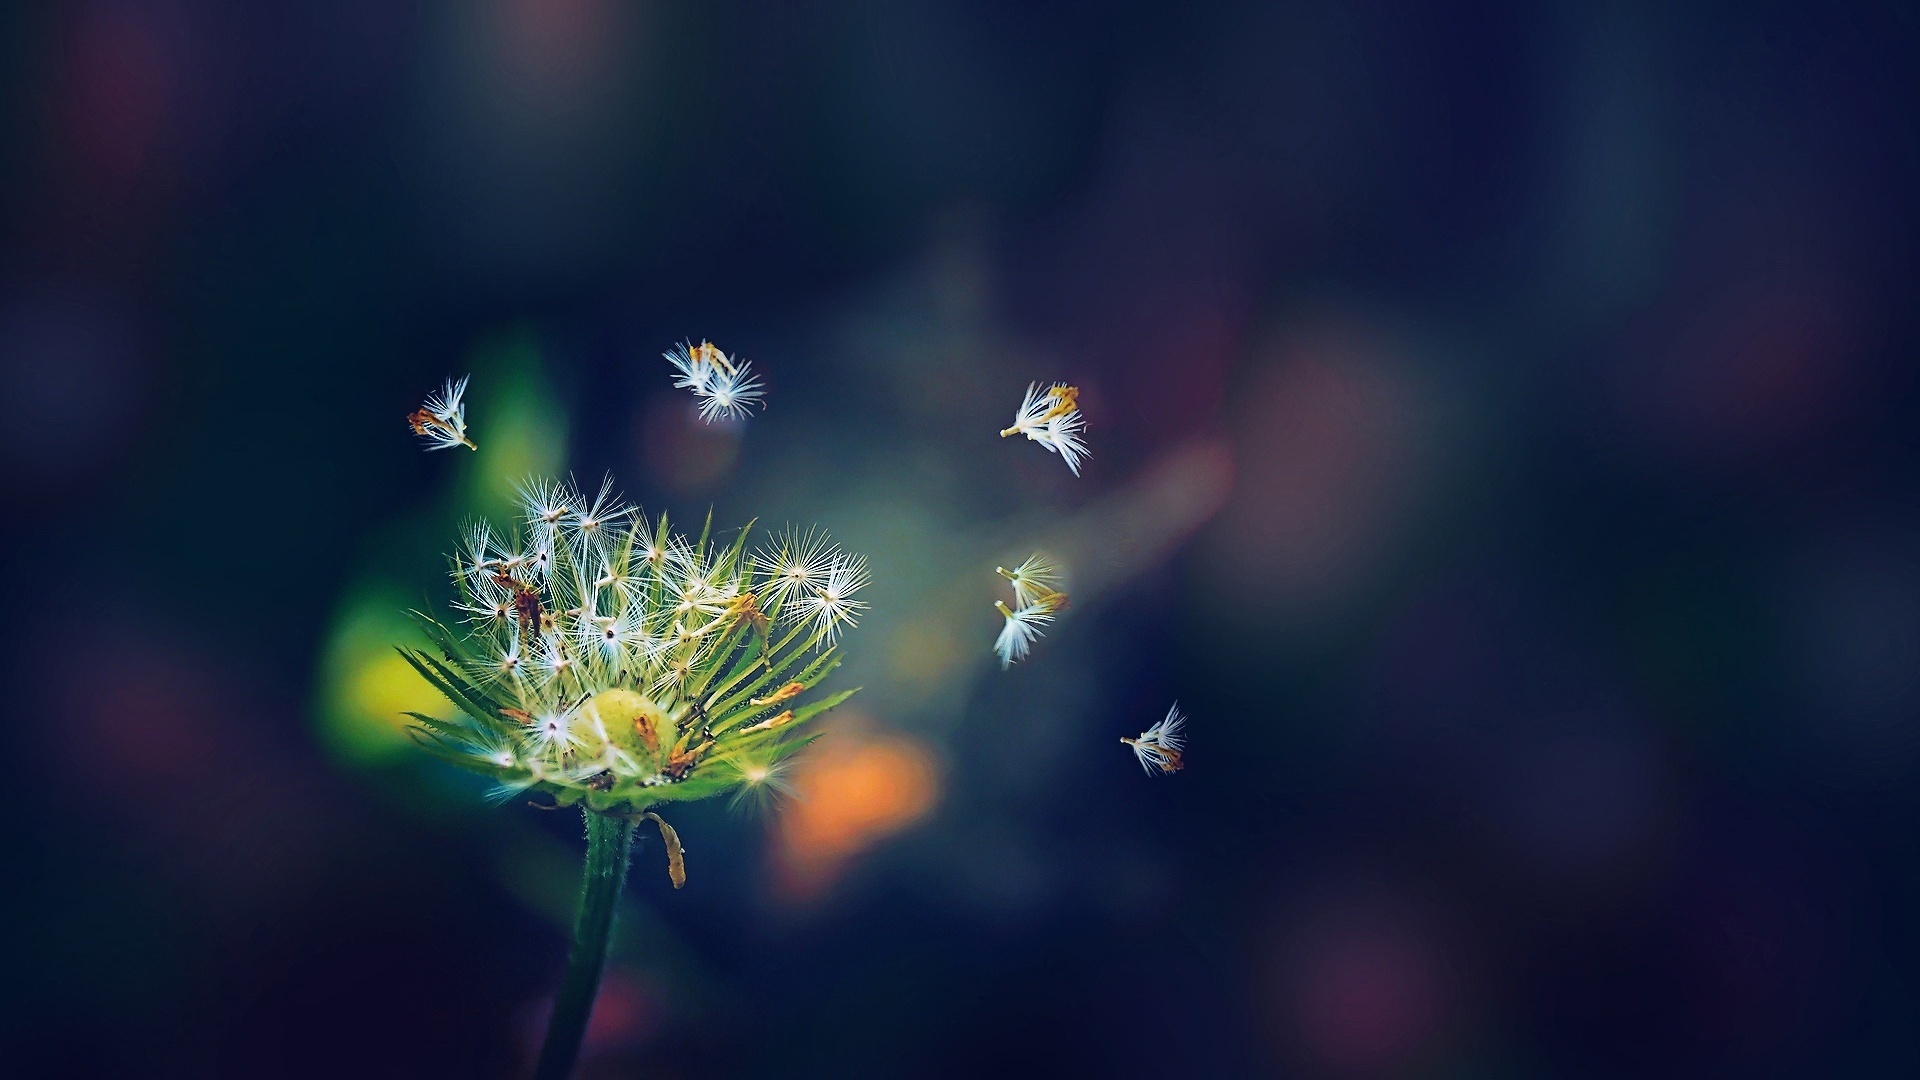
(1502, 446)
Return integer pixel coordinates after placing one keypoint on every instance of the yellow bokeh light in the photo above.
(386, 688)
(366, 688)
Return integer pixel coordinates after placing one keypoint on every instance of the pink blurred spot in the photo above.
(177, 747)
(1763, 363)
(556, 54)
(683, 453)
(623, 1014)
(150, 723)
(1363, 990)
(552, 33)
(1177, 380)
(1333, 441)
(122, 86)
(626, 1013)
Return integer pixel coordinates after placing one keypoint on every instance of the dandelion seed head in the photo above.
(584, 601)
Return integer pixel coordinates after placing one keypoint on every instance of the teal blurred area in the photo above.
(1501, 421)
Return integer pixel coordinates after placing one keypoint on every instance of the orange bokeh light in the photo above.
(850, 791)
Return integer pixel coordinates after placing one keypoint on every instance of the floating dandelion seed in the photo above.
(731, 395)
(1032, 581)
(1021, 630)
(1052, 419)
(1161, 746)
(727, 388)
(695, 364)
(1035, 602)
(442, 420)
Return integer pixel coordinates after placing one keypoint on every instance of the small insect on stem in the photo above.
(526, 607)
(745, 608)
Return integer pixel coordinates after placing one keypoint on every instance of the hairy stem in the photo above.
(609, 844)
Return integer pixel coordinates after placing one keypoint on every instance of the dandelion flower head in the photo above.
(601, 658)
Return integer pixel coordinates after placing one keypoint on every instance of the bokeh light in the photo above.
(856, 791)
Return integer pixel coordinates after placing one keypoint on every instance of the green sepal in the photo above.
(438, 747)
(808, 712)
(448, 642)
(457, 690)
(716, 660)
(808, 677)
(693, 788)
(749, 656)
(443, 729)
(700, 549)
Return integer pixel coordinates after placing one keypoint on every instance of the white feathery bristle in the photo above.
(1020, 630)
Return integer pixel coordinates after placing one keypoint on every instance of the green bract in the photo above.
(612, 663)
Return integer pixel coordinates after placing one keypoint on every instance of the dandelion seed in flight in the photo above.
(1020, 630)
(1051, 417)
(442, 420)
(726, 388)
(1033, 581)
(1161, 747)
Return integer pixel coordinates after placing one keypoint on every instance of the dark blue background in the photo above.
(1547, 603)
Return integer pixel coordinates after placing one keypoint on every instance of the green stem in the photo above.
(609, 843)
